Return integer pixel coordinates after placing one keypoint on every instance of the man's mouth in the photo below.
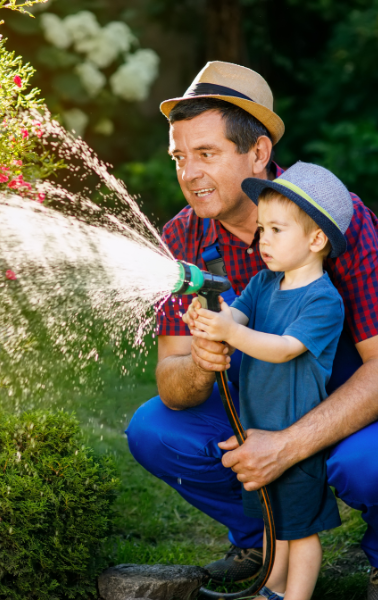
(204, 192)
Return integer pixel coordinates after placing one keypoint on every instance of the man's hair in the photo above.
(241, 128)
(307, 223)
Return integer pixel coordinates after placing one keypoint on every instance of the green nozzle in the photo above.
(190, 279)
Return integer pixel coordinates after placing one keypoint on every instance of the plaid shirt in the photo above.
(354, 273)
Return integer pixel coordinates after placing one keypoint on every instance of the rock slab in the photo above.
(153, 582)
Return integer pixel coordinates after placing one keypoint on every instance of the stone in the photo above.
(151, 582)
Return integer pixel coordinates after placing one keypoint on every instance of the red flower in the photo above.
(10, 275)
(41, 197)
(39, 133)
(25, 133)
(3, 178)
(17, 81)
(19, 183)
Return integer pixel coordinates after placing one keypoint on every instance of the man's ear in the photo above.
(318, 240)
(260, 155)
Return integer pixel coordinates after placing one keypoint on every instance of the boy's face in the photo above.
(284, 245)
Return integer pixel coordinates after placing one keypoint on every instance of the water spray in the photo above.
(208, 286)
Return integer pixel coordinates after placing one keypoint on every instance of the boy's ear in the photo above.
(318, 240)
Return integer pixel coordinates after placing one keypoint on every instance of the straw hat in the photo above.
(237, 85)
(318, 192)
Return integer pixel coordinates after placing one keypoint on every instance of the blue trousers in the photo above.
(181, 448)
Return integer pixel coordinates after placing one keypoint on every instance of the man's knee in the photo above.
(353, 469)
(144, 434)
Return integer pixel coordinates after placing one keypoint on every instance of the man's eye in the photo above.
(177, 157)
(207, 154)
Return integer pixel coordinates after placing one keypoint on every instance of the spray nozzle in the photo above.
(192, 280)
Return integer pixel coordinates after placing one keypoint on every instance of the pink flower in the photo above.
(17, 81)
(25, 133)
(3, 178)
(5, 123)
(18, 163)
(39, 133)
(41, 197)
(10, 275)
(19, 183)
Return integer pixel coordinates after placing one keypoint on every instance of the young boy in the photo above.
(287, 322)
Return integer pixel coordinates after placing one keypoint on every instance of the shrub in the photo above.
(55, 501)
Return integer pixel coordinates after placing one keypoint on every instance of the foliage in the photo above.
(55, 498)
(12, 5)
(156, 182)
(23, 155)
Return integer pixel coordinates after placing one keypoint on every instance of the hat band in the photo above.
(202, 89)
(303, 194)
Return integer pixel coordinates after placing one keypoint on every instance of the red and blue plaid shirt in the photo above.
(354, 273)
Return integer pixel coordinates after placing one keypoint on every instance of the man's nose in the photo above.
(191, 171)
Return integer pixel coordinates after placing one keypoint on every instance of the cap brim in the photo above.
(253, 188)
(267, 117)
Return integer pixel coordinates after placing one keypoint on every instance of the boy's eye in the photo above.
(260, 229)
(276, 230)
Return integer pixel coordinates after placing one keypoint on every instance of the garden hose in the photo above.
(209, 286)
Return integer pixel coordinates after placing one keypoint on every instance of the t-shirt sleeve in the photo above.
(320, 322)
(355, 273)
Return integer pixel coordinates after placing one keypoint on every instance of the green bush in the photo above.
(55, 501)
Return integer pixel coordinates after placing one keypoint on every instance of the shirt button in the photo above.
(250, 250)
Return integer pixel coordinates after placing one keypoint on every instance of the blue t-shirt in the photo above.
(273, 396)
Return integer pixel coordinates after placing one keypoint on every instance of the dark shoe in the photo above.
(239, 564)
(372, 593)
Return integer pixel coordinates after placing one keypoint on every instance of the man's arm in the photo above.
(185, 371)
(266, 455)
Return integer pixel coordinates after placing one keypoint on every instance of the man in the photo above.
(221, 132)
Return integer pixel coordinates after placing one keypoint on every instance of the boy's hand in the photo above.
(192, 313)
(214, 326)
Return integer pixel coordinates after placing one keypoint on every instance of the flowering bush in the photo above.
(23, 156)
(96, 49)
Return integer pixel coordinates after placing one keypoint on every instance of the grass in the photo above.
(152, 522)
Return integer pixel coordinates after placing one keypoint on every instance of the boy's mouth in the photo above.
(266, 257)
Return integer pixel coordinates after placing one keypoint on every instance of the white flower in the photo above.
(100, 50)
(82, 25)
(120, 34)
(133, 79)
(104, 127)
(76, 120)
(91, 78)
(54, 31)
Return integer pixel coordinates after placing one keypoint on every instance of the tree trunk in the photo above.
(224, 32)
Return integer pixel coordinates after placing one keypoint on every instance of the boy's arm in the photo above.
(229, 326)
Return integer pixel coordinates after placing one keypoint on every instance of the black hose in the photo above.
(212, 303)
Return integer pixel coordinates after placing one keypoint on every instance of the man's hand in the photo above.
(207, 355)
(263, 457)
(211, 356)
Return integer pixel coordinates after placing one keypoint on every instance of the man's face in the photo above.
(209, 168)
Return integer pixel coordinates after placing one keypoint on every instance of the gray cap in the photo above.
(318, 192)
